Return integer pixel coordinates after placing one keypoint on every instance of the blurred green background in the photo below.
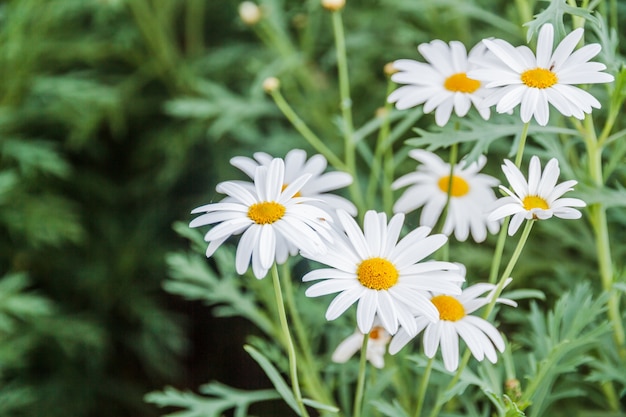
(117, 117)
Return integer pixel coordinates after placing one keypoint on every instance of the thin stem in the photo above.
(360, 385)
(454, 151)
(309, 368)
(305, 131)
(521, 145)
(421, 394)
(509, 267)
(380, 156)
(464, 361)
(291, 351)
(346, 107)
(497, 256)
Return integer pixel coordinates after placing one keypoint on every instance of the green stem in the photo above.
(380, 157)
(454, 151)
(509, 267)
(457, 376)
(309, 368)
(497, 256)
(291, 351)
(599, 223)
(360, 386)
(421, 394)
(305, 131)
(346, 107)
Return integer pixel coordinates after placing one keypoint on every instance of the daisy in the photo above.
(271, 219)
(537, 198)
(442, 84)
(534, 81)
(385, 276)
(376, 347)
(316, 187)
(455, 320)
(470, 193)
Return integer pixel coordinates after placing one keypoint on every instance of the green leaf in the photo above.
(274, 376)
(320, 406)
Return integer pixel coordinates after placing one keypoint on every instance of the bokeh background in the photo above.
(117, 117)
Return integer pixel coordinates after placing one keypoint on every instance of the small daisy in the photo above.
(385, 276)
(376, 347)
(534, 81)
(442, 84)
(271, 219)
(537, 198)
(317, 187)
(470, 194)
(455, 320)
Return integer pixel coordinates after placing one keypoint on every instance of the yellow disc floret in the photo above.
(377, 274)
(266, 212)
(460, 83)
(450, 308)
(539, 78)
(459, 188)
(532, 202)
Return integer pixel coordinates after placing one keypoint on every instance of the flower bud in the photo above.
(271, 84)
(249, 13)
(389, 69)
(333, 5)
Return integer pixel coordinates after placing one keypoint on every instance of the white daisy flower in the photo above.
(317, 187)
(471, 193)
(442, 84)
(455, 320)
(271, 219)
(537, 198)
(376, 347)
(385, 276)
(534, 81)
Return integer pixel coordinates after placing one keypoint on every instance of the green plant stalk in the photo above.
(291, 351)
(509, 267)
(346, 108)
(599, 223)
(497, 256)
(360, 385)
(380, 158)
(309, 368)
(464, 361)
(421, 393)
(305, 131)
(454, 151)
(498, 290)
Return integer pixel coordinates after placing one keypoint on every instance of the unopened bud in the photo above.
(333, 5)
(389, 69)
(271, 84)
(249, 13)
(381, 113)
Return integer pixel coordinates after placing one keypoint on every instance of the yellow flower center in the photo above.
(539, 78)
(459, 186)
(376, 333)
(532, 201)
(295, 195)
(459, 83)
(266, 212)
(377, 274)
(450, 308)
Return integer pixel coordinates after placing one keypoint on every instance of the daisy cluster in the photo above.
(498, 73)
(390, 273)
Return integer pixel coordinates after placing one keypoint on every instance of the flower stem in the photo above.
(305, 131)
(421, 394)
(309, 368)
(599, 223)
(454, 151)
(346, 107)
(291, 351)
(497, 256)
(360, 385)
(509, 267)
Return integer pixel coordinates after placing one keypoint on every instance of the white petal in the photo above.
(343, 301)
